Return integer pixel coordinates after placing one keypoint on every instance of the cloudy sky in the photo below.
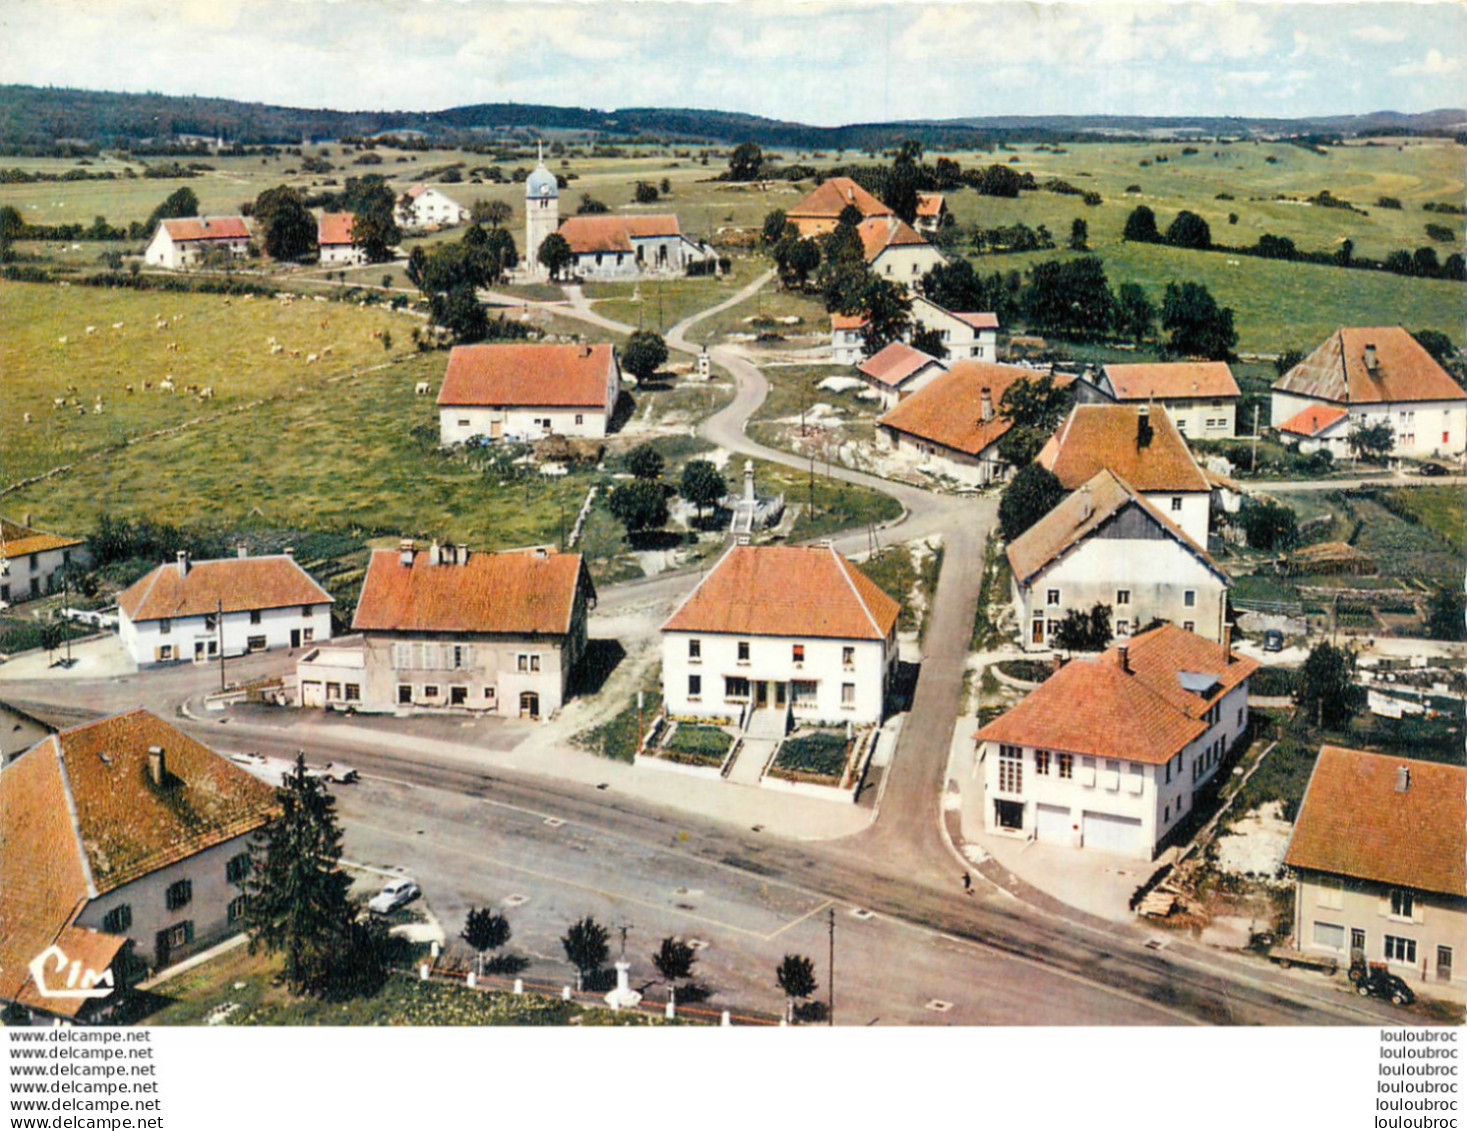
(814, 61)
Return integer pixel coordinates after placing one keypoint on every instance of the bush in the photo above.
(702, 743)
(821, 753)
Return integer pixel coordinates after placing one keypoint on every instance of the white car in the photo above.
(394, 894)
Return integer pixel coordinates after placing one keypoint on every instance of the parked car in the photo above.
(336, 772)
(1375, 981)
(1431, 470)
(394, 894)
(1273, 640)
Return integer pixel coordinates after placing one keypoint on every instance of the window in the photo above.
(308, 634)
(1189, 598)
(165, 626)
(404, 693)
(1052, 597)
(1087, 770)
(580, 418)
(180, 935)
(1176, 502)
(736, 687)
(179, 894)
(236, 909)
(463, 421)
(237, 867)
(1011, 769)
(430, 691)
(255, 643)
(528, 662)
(306, 610)
(333, 690)
(1329, 935)
(1123, 628)
(1241, 711)
(1402, 950)
(797, 653)
(1041, 762)
(1331, 894)
(848, 656)
(118, 920)
(1066, 764)
(743, 653)
(254, 616)
(165, 652)
(1123, 596)
(353, 692)
(458, 695)
(489, 693)
(211, 622)
(695, 650)
(1169, 762)
(695, 687)
(1112, 774)
(803, 692)
(848, 695)
(1403, 903)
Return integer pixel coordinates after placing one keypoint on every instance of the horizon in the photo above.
(787, 62)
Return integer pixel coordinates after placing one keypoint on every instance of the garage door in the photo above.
(1109, 833)
(1052, 824)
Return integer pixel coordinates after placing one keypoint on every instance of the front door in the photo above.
(761, 694)
(779, 694)
(1357, 945)
(295, 638)
(161, 950)
(529, 705)
(1036, 633)
(496, 429)
(1443, 964)
(198, 650)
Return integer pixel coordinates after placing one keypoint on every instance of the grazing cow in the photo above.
(326, 352)
(147, 385)
(62, 340)
(128, 388)
(161, 324)
(27, 418)
(277, 348)
(71, 388)
(421, 389)
(58, 402)
(118, 325)
(295, 353)
(91, 329)
(206, 393)
(166, 385)
(97, 408)
(325, 322)
(173, 346)
(311, 359)
(190, 388)
(80, 411)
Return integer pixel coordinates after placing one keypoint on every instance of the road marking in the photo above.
(861, 913)
(515, 900)
(393, 781)
(937, 1005)
(795, 922)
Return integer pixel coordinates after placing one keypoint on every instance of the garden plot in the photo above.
(1254, 846)
(822, 762)
(697, 748)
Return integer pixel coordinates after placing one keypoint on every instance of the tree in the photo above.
(1437, 344)
(1371, 441)
(1135, 313)
(288, 226)
(1198, 326)
(1287, 360)
(745, 162)
(639, 505)
(459, 311)
(495, 213)
(775, 224)
(797, 259)
(374, 228)
(1454, 267)
(585, 947)
(1034, 407)
(1079, 235)
(702, 484)
(1425, 263)
(296, 903)
(1141, 226)
(1345, 254)
(1071, 297)
(1268, 525)
(674, 960)
(887, 310)
(1326, 692)
(646, 462)
(843, 272)
(53, 635)
(1032, 493)
(644, 355)
(590, 206)
(929, 341)
(11, 223)
(1084, 632)
(485, 929)
(903, 181)
(555, 254)
(1189, 230)
(645, 192)
(1446, 615)
(796, 977)
(180, 202)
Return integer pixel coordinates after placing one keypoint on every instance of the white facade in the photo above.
(1104, 804)
(344, 254)
(650, 255)
(906, 263)
(1422, 428)
(456, 425)
(847, 347)
(27, 576)
(1203, 418)
(1190, 510)
(197, 638)
(962, 339)
(430, 208)
(937, 459)
(164, 252)
(716, 675)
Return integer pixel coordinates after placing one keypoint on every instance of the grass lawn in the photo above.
(699, 745)
(901, 576)
(771, 302)
(819, 754)
(619, 738)
(1441, 509)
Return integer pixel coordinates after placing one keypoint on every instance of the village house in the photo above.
(795, 631)
(186, 242)
(896, 370)
(333, 237)
(1376, 374)
(951, 426)
(931, 212)
(426, 206)
(1319, 427)
(626, 247)
(1106, 543)
(526, 390)
(31, 560)
(895, 251)
(1201, 397)
(1109, 754)
(972, 335)
(847, 343)
(819, 211)
(1143, 447)
(1379, 855)
(125, 845)
(444, 630)
(187, 610)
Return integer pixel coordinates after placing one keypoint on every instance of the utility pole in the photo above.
(830, 973)
(219, 627)
(1253, 467)
(562, 526)
(65, 604)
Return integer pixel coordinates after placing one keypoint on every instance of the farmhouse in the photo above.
(1379, 854)
(932, 212)
(31, 560)
(847, 345)
(1319, 427)
(896, 370)
(186, 242)
(425, 206)
(188, 610)
(528, 390)
(444, 630)
(333, 237)
(1201, 397)
(1378, 374)
(1110, 753)
(971, 335)
(951, 426)
(1106, 543)
(124, 844)
(1143, 447)
(895, 251)
(819, 211)
(796, 631)
(624, 247)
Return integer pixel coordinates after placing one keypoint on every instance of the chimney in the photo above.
(182, 560)
(1403, 778)
(289, 551)
(850, 195)
(1084, 502)
(405, 548)
(542, 551)
(157, 765)
(1370, 362)
(1056, 661)
(985, 405)
(241, 551)
(1143, 426)
(463, 553)
(1227, 643)
(1124, 652)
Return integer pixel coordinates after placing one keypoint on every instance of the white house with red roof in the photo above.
(427, 206)
(444, 630)
(528, 390)
(625, 247)
(967, 336)
(896, 370)
(931, 212)
(818, 211)
(185, 242)
(188, 610)
(796, 631)
(32, 560)
(847, 343)
(334, 238)
(1377, 375)
(1201, 397)
(894, 250)
(1109, 754)
(1319, 427)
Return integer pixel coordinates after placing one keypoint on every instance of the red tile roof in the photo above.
(948, 410)
(1172, 380)
(1099, 436)
(827, 200)
(979, 320)
(206, 228)
(1355, 822)
(334, 228)
(895, 363)
(17, 540)
(881, 232)
(533, 374)
(787, 591)
(847, 321)
(520, 592)
(1336, 370)
(270, 582)
(589, 234)
(930, 203)
(1313, 420)
(417, 191)
(1156, 657)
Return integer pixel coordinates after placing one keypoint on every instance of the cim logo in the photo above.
(48, 967)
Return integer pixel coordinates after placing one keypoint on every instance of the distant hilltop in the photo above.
(36, 118)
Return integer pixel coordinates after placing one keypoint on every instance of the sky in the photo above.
(813, 61)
